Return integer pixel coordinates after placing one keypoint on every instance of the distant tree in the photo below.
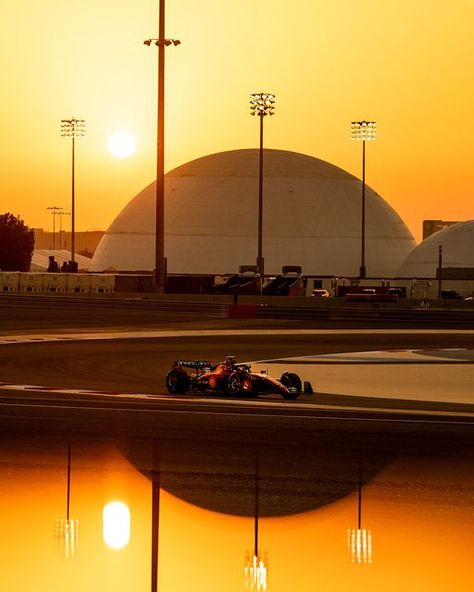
(17, 243)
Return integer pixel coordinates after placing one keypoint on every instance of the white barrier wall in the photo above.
(79, 283)
(31, 282)
(102, 284)
(55, 282)
(9, 281)
(76, 283)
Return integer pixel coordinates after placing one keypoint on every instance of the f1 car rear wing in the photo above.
(196, 364)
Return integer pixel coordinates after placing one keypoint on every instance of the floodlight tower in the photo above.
(54, 213)
(61, 214)
(261, 104)
(73, 128)
(160, 262)
(363, 130)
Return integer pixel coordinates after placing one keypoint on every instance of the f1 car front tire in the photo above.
(177, 382)
(290, 379)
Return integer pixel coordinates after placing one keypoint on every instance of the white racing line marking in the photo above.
(403, 356)
(103, 335)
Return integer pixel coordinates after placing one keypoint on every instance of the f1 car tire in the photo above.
(237, 383)
(290, 379)
(177, 382)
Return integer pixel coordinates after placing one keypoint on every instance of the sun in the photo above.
(121, 144)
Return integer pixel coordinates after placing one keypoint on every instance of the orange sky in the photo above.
(406, 64)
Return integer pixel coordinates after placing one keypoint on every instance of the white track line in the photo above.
(105, 335)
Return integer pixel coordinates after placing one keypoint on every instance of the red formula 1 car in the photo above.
(230, 378)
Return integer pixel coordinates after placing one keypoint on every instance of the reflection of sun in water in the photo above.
(116, 525)
(121, 144)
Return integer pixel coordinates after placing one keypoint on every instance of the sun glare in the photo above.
(121, 144)
(116, 525)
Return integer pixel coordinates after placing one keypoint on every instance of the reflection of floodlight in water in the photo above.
(255, 570)
(116, 525)
(359, 540)
(359, 545)
(67, 529)
(67, 533)
(255, 573)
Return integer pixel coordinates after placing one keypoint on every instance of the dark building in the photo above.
(432, 226)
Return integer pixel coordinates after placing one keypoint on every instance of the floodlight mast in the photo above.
(160, 261)
(61, 214)
(363, 131)
(73, 128)
(261, 104)
(55, 211)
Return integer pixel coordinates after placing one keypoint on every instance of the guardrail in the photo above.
(75, 302)
(392, 315)
(226, 309)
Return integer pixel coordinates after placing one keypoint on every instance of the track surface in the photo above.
(140, 365)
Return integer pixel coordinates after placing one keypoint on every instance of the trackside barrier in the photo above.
(243, 311)
(205, 309)
(288, 312)
(55, 282)
(79, 283)
(369, 314)
(102, 284)
(32, 282)
(9, 281)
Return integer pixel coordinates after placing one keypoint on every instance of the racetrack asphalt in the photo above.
(125, 364)
(77, 347)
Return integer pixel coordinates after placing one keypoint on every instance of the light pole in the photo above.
(67, 529)
(363, 130)
(261, 104)
(61, 214)
(161, 43)
(72, 128)
(359, 540)
(255, 570)
(54, 213)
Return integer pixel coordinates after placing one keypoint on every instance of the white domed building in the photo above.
(311, 218)
(458, 251)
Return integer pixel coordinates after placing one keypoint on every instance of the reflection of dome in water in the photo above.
(458, 251)
(221, 477)
(311, 217)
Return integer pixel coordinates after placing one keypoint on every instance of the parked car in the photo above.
(450, 295)
(320, 293)
(395, 292)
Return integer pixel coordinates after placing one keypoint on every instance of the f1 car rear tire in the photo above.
(238, 383)
(177, 382)
(290, 379)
